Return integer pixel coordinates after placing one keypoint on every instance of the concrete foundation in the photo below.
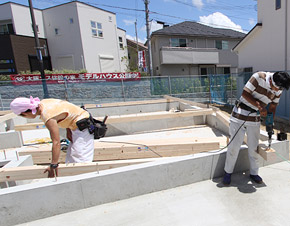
(49, 197)
(10, 139)
(16, 162)
(52, 197)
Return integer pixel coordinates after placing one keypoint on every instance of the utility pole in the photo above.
(38, 50)
(137, 46)
(148, 38)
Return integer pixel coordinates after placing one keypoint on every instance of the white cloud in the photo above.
(134, 39)
(153, 26)
(220, 20)
(198, 4)
(129, 22)
(252, 21)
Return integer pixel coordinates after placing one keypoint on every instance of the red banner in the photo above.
(75, 78)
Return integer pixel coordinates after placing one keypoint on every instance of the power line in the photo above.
(155, 13)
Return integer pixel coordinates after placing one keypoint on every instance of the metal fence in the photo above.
(206, 89)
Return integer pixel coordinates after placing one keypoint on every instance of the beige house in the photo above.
(190, 48)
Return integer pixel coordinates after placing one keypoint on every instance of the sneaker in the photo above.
(227, 178)
(256, 178)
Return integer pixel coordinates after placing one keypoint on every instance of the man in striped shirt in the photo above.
(262, 89)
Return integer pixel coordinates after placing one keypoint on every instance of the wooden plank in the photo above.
(36, 172)
(131, 118)
(5, 112)
(266, 153)
(129, 103)
(156, 116)
(30, 126)
(116, 151)
(7, 117)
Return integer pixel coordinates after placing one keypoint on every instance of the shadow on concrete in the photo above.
(241, 181)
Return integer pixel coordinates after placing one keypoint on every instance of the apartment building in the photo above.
(267, 45)
(191, 48)
(17, 42)
(75, 36)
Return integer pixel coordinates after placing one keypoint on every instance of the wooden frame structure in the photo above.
(117, 154)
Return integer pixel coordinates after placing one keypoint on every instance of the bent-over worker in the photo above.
(57, 113)
(262, 89)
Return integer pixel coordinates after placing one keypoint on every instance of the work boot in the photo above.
(256, 178)
(227, 178)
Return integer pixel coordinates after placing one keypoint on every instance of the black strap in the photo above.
(241, 105)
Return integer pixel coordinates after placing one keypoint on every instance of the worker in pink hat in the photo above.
(57, 113)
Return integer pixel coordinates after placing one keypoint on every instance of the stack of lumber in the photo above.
(137, 149)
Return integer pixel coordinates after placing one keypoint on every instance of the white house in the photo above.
(267, 45)
(79, 36)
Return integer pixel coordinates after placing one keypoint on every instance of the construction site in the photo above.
(160, 163)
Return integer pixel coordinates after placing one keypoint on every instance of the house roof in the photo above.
(134, 44)
(189, 28)
(66, 3)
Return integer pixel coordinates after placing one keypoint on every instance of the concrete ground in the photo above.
(203, 203)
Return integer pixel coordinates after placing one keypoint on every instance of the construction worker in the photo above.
(262, 89)
(57, 113)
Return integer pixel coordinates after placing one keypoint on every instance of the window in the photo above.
(6, 61)
(223, 70)
(178, 42)
(6, 66)
(278, 4)
(121, 42)
(7, 70)
(56, 31)
(219, 44)
(4, 29)
(97, 29)
(71, 20)
(110, 19)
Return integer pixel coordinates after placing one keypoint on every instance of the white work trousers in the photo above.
(253, 133)
(81, 149)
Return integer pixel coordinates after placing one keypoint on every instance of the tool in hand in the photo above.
(64, 144)
(269, 127)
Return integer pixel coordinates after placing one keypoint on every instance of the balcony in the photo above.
(188, 55)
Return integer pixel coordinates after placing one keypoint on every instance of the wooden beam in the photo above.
(7, 117)
(30, 126)
(266, 153)
(156, 116)
(36, 172)
(129, 103)
(5, 112)
(130, 118)
(138, 149)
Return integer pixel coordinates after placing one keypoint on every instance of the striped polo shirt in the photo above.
(259, 87)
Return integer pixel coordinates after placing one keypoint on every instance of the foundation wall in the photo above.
(132, 109)
(67, 194)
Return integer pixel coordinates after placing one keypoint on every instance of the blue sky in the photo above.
(238, 15)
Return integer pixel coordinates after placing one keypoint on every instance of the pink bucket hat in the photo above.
(22, 104)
